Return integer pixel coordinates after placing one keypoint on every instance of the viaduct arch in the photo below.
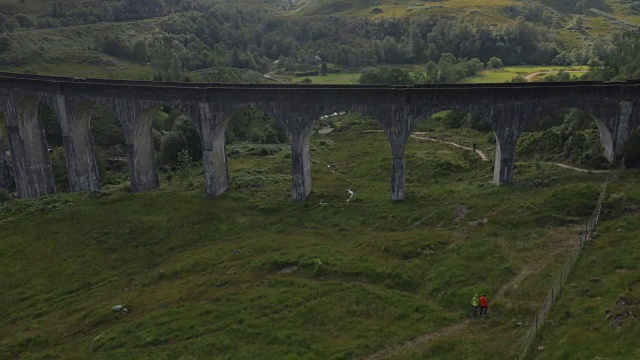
(509, 108)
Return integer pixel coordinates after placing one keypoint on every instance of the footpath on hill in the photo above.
(458, 328)
(530, 77)
(483, 156)
(421, 136)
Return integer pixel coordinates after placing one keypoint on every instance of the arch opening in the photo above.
(176, 139)
(136, 118)
(631, 150)
(452, 144)
(569, 136)
(110, 146)
(351, 157)
(179, 148)
(7, 184)
(254, 153)
(571, 139)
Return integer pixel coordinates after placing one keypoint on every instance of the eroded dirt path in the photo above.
(458, 328)
(421, 136)
(483, 156)
(420, 340)
(531, 76)
(578, 169)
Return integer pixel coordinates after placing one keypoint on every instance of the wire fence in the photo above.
(557, 286)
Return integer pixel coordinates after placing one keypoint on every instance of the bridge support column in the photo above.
(136, 118)
(77, 139)
(505, 158)
(509, 120)
(397, 171)
(6, 179)
(29, 150)
(210, 124)
(398, 122)
(301, 164)
(622, 131)
(216, 168)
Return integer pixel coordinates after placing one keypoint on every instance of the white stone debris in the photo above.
(351, 193)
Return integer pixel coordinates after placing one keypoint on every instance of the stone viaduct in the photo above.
(507, 107)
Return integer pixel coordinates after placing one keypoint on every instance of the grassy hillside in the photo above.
(401, 8)
(252, 273)
(493, 12)
(531, 73)
(72, 50)
(602, 299)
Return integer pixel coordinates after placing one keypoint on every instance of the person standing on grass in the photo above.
(474, 303)
(484, 304)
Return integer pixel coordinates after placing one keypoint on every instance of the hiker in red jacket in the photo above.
(484, 304)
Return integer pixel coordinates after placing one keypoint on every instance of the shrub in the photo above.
(4, 195)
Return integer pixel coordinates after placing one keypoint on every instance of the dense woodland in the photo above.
(198, 35)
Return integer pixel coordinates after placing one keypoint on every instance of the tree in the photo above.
(377, 48)
(431, 73)
(494, 63)
(166, 56)
(622, 62)
(583, 6)
(334, 57)
(183, 138)
(432, 53)
(58, 11)
(25, 21)
(139, 51)
(384, 75)
(235, 59)
(323, 69)
(447, 70)
(519, 79)
(578, 23)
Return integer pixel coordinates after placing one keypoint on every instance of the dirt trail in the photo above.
(461, 326)
(423, 339)
(526, 271)
(531, 76)
(420, 136)
(271, 78)
(578, 169)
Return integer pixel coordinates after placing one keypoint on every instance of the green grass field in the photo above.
(603, 294)
(493, 12)
(252, 272)
(85, 64)
(502, 75)
(507, 73)
(334, 78)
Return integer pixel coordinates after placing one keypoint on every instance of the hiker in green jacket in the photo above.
(475, 302)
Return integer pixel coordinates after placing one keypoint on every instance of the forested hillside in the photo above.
(227, 41)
